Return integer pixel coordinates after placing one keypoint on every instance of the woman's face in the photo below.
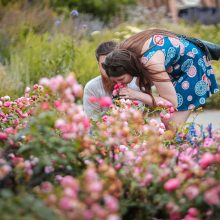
(124, 79)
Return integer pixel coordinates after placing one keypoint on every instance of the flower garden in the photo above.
(57, 164)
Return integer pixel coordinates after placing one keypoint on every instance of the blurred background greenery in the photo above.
(49, 37)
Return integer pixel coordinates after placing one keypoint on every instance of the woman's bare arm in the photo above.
(162, 80)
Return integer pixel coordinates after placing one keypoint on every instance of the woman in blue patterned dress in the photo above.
(179, 70)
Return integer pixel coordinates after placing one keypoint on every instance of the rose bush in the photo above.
(124, 166)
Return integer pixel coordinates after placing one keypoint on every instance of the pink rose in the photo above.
(92, 99)
(57, 104)
(161, 103)
(161, 130)
(105, 102)
(88, 214)
(86, 122)
(168, 104)
(135, 102)
(116, 86)
(171, 109)
(45, 105)
(148, 179)
(191, 192)
(193, 212)
(69, 181)
(111, 203)
(115, 92)
(95, 187)
(46, 187)
(66, 203)
(208, 142)
(3, 136)
(206, 160)
(121, 86)
(105, 118)
(212, 196)
(171, 184)
(7, 104)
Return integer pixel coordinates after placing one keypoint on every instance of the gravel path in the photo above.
(206, 117)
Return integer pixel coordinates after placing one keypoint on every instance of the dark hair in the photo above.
(122, 61)
(105, 48)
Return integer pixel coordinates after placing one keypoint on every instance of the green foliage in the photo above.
(36, 57)
(103, 9)
(46, 143)
(24, 207)
(85, 63)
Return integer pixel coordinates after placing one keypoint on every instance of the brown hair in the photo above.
(105, 48)
(126, 59)
(102, 50)
(136, 42)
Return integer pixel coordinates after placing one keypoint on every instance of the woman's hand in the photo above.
(128, 93)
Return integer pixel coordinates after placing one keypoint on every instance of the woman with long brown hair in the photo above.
(179, 70)
(100, 86)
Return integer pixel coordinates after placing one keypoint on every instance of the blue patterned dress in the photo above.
(190, 72)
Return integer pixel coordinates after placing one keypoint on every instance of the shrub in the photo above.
(30, 59)
(123, 166)
(105, 10)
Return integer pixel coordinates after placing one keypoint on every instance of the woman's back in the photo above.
(192, 75)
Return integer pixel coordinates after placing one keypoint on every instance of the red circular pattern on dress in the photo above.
(159, 40)
(192, 71)
(185, 85)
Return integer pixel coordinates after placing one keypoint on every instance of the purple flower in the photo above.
(192, 130)
(57, 23)
(209, 129)
(178, 138)
(74, 13)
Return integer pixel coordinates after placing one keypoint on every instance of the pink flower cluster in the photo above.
(117, 88)
(68, 88)
(87, 198)
(167, 110)
(147, 163)
(13, 112)
(124, 150)
(22, 165)
(104, 102)
(73, 123)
